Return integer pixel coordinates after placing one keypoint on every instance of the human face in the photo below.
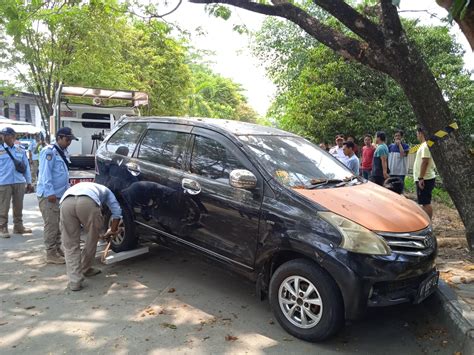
(397, 137)
(347, 151)
(368, 141)
(339, 140)
(9, 139)
(64, 141)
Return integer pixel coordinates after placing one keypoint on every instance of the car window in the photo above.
(164, 147)
(213, 160)
(123, 141)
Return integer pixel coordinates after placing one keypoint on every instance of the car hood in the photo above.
(371, 206)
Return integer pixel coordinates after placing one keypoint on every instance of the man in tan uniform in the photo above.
(81, 204)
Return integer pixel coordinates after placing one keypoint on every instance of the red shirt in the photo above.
(367, 157)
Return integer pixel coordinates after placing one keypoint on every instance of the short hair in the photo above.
(368, 135)
(349, 144)
(421, 129)
(400, 131)
(381, 135)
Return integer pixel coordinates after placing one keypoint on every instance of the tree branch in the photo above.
(345, 46)
(352, 19)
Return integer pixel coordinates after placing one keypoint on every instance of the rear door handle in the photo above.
(191, 186)
(133, 168)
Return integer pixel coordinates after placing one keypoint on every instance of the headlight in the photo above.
(356, 238)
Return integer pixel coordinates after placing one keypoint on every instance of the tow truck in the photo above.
(91, 120)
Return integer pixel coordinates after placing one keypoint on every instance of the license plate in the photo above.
(74, 181)
(427, 287)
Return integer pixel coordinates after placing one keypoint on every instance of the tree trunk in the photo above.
(466, 24)
(433, 113)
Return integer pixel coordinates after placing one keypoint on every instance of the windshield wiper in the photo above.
(319, 182)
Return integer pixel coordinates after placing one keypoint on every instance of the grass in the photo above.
(439, 193)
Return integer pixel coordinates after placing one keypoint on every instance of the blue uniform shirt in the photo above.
(99, 193)
(33, 148)
(53, 176)
(8, 173)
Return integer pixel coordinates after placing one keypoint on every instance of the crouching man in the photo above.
(81, 204)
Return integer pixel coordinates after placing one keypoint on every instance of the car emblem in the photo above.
(428, 241)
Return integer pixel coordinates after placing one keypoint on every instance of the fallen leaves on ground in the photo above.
(169, 325)
(230, 338)
(171, 290)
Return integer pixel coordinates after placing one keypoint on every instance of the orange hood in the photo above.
(371, 206)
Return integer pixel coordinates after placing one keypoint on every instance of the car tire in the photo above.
(311, 315)
(127, 239)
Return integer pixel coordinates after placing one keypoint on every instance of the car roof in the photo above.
(226, 126)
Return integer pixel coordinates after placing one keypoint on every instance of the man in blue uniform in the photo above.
(53, 181)
(14, 176)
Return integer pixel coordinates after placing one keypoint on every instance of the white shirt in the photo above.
(339, 154)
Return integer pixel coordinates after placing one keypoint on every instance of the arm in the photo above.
(47, 167)
(423, 168)
(27, 173)
(383, 159)
(401, 149)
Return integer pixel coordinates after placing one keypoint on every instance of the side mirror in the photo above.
(242, 179)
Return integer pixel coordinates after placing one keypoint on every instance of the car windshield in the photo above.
(295, 162)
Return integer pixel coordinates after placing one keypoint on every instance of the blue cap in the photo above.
(8, 131)
(66, 131)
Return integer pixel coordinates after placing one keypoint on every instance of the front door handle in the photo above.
(191, 186)
(133, 168)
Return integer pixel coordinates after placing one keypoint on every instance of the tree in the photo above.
(378, 40)
(462, 11)
(320, 94)
(218, 97)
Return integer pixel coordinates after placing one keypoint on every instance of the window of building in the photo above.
(27, 113)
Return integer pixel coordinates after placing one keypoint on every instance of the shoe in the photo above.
(22, 230)
(4, 232)
(92, 271)
(52, 257)
(75, 286)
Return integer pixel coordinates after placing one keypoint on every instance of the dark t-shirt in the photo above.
(380, 151)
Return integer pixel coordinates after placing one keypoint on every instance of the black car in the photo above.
(322, 243)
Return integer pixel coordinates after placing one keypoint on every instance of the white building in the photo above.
(20, 106)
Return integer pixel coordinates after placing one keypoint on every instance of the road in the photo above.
(169, 302)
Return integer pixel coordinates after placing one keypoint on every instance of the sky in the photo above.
(233, 59)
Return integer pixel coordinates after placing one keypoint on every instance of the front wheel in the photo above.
(127, 238)
(306, 301)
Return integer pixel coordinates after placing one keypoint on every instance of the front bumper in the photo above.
(370, 281)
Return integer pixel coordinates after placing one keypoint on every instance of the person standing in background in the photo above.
(33, 157)
(15, 174)
(367, 156)
(337, 150)
(380, 171)
(397, 157)
(352, 161)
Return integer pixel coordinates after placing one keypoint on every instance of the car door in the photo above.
(220, 219)
(158, 167)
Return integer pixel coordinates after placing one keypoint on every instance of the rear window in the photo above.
(96, 116)
(124, 141)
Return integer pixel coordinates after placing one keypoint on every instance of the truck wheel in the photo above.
(306, 301)
(127, 239)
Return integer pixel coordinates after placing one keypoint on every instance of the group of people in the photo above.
(64, 209)
(383, 164)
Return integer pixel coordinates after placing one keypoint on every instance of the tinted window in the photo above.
(123, 142)
(164, 148)
(96, 116)
(211, 159)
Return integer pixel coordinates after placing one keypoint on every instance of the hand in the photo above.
(29, 188)
(398, 141)
(385, 175)
(52, 199)
(421, 184)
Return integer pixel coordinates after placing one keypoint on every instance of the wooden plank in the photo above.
(116, 257)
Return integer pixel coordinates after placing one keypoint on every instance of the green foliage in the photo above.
(320, 94)
(218, 97)
(439, 194)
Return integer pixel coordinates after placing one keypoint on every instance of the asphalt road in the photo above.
(170, 302)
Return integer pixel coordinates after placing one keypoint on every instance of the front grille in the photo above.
(418, 243)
